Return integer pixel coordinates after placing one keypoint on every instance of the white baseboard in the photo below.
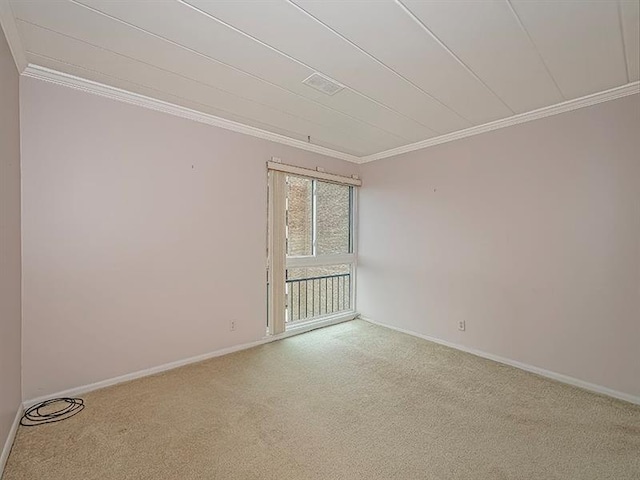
(144, 373)
(10, 438)
(187, 361)
(592, 387)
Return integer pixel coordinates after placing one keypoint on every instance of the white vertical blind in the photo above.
(277, 251)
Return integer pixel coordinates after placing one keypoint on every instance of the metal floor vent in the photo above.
(324, 84)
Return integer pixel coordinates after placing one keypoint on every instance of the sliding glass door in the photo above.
(312, 238)
(319, 242)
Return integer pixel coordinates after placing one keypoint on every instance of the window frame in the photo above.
(278, 259)
(323, 260)
(326, 260)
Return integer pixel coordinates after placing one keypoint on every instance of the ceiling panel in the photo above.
(394, 38)
(233, 91)
(413, 69)
(580, 42)
(237, 54)
(630, 18)
(283, 26)
(201, 34)
(487, 37)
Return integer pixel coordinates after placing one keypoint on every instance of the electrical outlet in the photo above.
(461, 325)
(232, 325)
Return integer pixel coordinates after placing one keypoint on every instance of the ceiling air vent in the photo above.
(324, 84)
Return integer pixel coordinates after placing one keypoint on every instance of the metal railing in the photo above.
(317, 296)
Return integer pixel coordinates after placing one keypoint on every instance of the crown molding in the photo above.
(569, 105)
(96, 88)
(8, 23)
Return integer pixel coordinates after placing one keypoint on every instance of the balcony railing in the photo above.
(308, 298)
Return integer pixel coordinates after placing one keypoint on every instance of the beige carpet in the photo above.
(352, 401)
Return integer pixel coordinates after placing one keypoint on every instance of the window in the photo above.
(319, 248)
(311, 248)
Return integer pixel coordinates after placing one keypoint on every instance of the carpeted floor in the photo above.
(352, 401)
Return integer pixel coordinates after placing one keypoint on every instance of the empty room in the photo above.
(320, 239)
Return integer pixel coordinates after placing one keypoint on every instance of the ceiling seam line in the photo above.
(195, 52)
(450, 52)
(374, 58)
(291, 134)
(624, 44)
(535, 47)
(364, 140)
(386, 107)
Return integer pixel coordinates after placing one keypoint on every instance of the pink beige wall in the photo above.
(10, 276)
(144, 234)
(530, 234)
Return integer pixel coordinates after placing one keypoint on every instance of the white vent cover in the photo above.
(324, 84)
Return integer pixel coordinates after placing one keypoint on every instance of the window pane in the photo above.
(333, 218)
(299, 216)
(317, 291)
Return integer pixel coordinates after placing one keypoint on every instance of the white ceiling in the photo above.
(413, 70)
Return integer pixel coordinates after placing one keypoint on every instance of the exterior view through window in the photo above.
(319, 249)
